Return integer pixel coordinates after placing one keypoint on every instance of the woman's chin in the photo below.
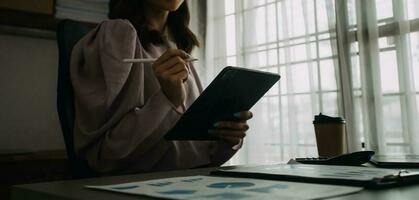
(171, 7)
(167, 5)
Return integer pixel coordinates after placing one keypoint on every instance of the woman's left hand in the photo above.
(232, 132)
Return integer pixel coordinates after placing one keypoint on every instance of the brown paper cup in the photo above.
(331, 139)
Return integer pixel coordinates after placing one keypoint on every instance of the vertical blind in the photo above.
(335, 57)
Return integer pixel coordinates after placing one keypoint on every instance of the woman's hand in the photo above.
(171, 70)
(232, 132)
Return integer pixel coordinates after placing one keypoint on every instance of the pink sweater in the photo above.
(122, 114)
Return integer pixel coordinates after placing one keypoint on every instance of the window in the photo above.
(299, 40)
(385, 72)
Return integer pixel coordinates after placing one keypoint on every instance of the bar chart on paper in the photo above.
(209, 187)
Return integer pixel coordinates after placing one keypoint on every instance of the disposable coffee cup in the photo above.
(330, 135)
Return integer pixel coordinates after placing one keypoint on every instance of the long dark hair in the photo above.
(177, 23)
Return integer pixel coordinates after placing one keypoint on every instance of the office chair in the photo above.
(68, 34)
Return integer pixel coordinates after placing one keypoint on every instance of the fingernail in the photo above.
(187, 54)
(237, 115)
(216, 124)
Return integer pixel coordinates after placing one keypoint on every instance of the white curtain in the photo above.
(384, 48)
(295, 38)
(373, 81)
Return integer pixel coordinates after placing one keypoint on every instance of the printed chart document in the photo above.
(317, 171)
(210, 187)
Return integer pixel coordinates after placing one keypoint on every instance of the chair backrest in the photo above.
(68, 34)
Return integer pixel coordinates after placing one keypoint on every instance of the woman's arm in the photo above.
(115, 126)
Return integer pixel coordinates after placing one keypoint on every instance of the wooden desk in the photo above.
(24, 166)
(74, 189)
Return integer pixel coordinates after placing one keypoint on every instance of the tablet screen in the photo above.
(233, 90)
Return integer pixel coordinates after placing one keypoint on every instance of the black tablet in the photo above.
(396, 161)
(234, 89)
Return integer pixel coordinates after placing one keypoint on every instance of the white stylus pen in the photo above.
(150, 60)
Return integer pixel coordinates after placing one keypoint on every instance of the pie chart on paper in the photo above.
(229, 185)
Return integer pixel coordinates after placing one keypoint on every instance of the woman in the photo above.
(123, 110)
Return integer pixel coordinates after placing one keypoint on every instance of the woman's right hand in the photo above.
(172, 71)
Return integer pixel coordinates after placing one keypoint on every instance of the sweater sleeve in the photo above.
(113, 127)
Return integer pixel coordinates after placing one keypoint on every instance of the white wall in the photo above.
(28, 74)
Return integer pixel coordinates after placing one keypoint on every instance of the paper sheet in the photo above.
(210, 187)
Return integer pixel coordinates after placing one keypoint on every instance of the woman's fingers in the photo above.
(177, 69)
(227, 133)
(232, 125)
(183, 75)
(174, 68)
(232, 137)
(168, 64)
(169, 54)
(232, 132)
(243, 115)
(230, 140)
(177, 72)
